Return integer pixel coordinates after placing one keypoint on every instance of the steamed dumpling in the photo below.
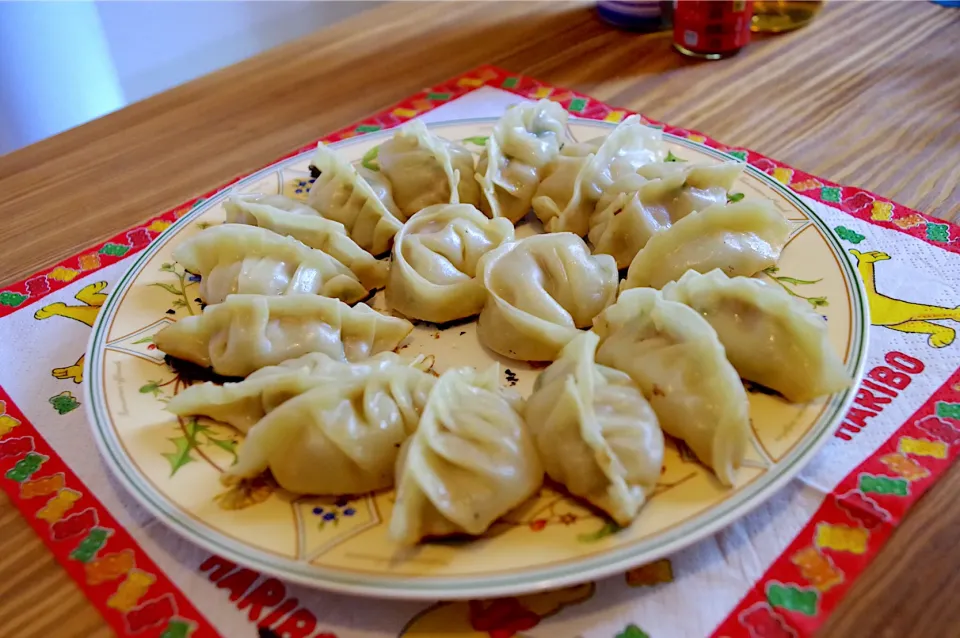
(424, 169)
(345, 194)
(435, 255)
(524, 141)
(572, 187)
(540, 291)
(636, 206)
(340, 437)
(248, 332)
(287, 216)
(470, 462)
(238, 259)
(739, 239)
(674, 355)
(243, 404)
(770, 337)
(596, 434)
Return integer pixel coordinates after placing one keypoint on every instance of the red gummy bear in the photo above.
(761, 622)
(38, 286)
(862, 509)
(139, 236)
(857, 202)
(939, 429)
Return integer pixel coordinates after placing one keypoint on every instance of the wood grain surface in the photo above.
(868, 95)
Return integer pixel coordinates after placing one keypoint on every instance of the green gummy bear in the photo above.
(883, 485)
(793, 598)
(177, 628)
(64, 404)
(12, 299)
(115, 250)
(848, 234)
(938, 232)
(830, 194)
(948, 410)
(89, 546)
(26, 467)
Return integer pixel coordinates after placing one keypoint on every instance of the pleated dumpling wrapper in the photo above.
(674, 355)
(290, 217)
(249, 332)
(358, 198)
(433, 276)
(573, 184)
(244, 403)
(741, 238)
(771, 338)
(596, 434)
(636, 206)
(524, 141)
(470, 462)
(338, 438)
(238, 259)
(540, 291)
(424, 169)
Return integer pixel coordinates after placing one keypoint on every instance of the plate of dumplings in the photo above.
(476, 358)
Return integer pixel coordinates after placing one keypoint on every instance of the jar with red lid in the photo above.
(711, 29)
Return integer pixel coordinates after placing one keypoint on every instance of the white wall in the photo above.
(62, 64)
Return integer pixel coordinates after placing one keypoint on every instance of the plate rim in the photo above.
(594, 567)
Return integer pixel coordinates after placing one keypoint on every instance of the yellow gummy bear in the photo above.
(59, 505)
(842, 538)
(882, 211)
(62, 274)
(131, 590)
(921, 447)
(783, 175)
(614, 116)
(7, 423)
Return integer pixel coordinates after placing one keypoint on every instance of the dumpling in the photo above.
(596, 434)
(565, 207)
(342, 193)
(243, 404)
(636, 206)
(674, 355)
(425, 169)
(525, 139)
(470, 462)
(540, 291)
(248, 332)
(770, 337)
(287, 216)
(238, 259)
(741, 239)
(433, 274)
(338, 438)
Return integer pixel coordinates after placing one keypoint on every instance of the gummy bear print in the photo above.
(498, 618)
(904, 316)
(91, 298)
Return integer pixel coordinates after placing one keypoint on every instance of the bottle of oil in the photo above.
(776, 16)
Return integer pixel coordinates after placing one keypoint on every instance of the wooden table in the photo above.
(867, 96)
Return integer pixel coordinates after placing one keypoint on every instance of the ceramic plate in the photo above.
(173, 466)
